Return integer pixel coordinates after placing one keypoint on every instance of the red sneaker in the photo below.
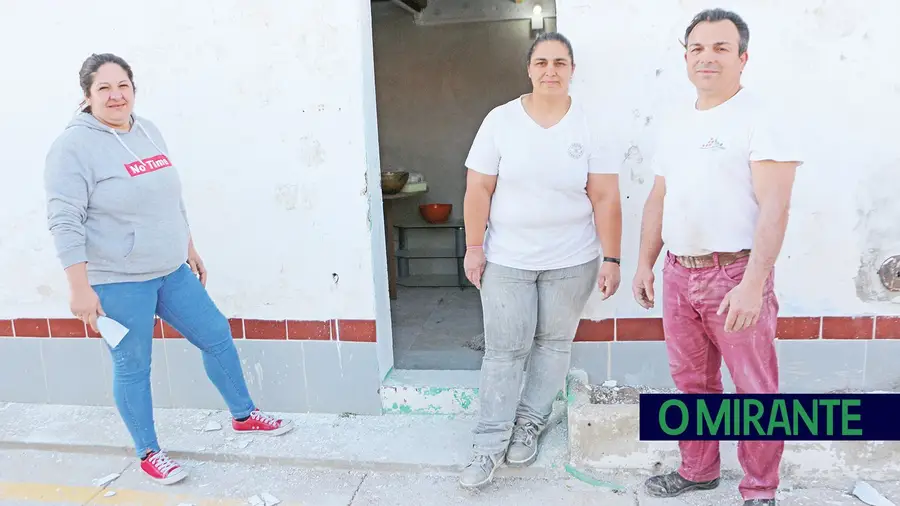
(262, 423)
(163, 470)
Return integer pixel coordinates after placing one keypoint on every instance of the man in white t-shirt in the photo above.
(724, 168)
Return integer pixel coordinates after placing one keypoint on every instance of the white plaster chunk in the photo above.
(867, 494)
(270, 500)
(106, 480)
(212, 426)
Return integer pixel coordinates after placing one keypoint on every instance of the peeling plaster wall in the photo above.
(263, 109)
(829, 62)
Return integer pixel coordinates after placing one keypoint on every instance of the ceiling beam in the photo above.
(439, 12)
(411, 6)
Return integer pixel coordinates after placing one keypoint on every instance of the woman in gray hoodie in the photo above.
(121, 233)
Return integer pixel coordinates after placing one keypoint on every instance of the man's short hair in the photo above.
(713, 15)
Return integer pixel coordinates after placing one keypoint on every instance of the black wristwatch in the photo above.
(613, 260)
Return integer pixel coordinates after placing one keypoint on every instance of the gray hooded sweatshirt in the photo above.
(114, 201)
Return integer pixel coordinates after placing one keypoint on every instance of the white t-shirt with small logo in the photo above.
(541, 217)
(704, 155)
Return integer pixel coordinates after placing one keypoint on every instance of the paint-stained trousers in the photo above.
(697, 342)
(529, 315)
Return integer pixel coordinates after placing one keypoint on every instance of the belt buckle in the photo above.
(732, 257)
(698, 262)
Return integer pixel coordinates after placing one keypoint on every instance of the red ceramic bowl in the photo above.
(435, 213)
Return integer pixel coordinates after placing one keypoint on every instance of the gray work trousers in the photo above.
(526, 312)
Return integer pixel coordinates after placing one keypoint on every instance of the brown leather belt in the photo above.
(726, 258)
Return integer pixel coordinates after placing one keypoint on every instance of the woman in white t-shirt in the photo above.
(545, 189)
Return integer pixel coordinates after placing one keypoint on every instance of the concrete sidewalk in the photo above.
(53, 452)
(379, 443)
(30, 477)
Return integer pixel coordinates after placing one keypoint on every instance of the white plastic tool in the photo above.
(111, 330)
(867, 494)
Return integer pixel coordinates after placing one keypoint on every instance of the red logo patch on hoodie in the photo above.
(148, 165)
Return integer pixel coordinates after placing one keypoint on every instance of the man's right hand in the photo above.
(643, 287)
(473, 264)
(85, 305)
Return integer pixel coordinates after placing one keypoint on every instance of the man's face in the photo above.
(713, 58)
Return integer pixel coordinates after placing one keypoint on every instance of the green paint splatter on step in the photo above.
(464, 399)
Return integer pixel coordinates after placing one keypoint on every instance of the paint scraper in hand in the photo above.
(111, 330)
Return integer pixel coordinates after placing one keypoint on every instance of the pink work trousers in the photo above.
(697, 342)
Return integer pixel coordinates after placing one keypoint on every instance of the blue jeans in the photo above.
(182, 302)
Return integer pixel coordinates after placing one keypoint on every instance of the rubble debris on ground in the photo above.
(264, 499)
(476, 343)
(867, 494)
(611, 392)
(212, 426)
(109, 493)
(270, 499)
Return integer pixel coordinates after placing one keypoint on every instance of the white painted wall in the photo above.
(830, 62)
(266, 107)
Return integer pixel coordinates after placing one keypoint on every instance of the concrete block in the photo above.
(882, 372)
(821, 366)
(342, 377)
(22, 376)
(607, 437)
(92, 387)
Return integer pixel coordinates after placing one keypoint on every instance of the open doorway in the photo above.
(435, 81)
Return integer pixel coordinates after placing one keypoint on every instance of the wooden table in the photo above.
(387, 208)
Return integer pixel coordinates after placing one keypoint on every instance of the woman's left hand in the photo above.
(608, 279)
(196, 264)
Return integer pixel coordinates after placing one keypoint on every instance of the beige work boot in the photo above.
(523, 446)
(480, 470)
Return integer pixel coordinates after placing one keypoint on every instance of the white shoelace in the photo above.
(482, 462)
(525, 434)
(259, 416)
(162, 462)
